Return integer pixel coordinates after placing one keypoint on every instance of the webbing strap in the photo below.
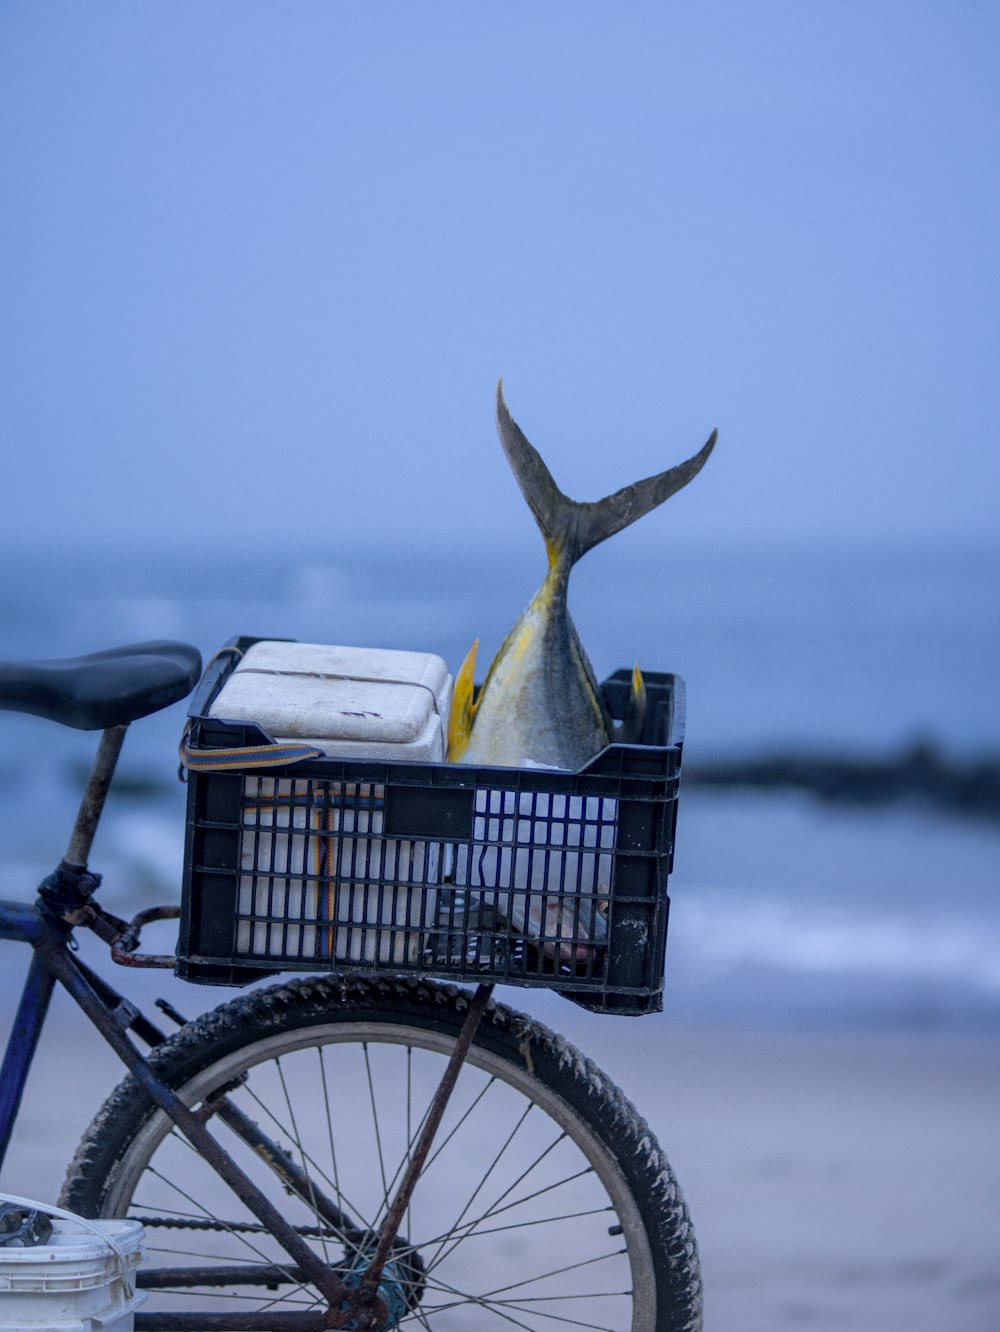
(248, 756)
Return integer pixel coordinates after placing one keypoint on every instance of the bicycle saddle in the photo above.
(104, 689)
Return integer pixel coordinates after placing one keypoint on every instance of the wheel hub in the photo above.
(392, 1290)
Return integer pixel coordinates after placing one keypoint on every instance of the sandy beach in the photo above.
(835, 1182)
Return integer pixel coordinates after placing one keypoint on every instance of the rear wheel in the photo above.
(545, 1203)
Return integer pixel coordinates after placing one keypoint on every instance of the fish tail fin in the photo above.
(635, 713)
(463, 707)
(551, 508)
(571, 528)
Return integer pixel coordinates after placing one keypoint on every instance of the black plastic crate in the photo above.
(521, 876)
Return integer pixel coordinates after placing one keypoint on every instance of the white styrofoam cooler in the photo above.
(384, 895)
(350, 702)
(74, 1282)
(363, 703)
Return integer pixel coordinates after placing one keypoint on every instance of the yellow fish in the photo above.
(540, 704)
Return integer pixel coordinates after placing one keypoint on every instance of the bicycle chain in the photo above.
(238, 1227)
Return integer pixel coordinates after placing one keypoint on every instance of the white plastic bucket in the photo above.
(81, 1280)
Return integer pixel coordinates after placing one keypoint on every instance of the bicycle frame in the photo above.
(359, 1307)
(23, 924)
(66, 901)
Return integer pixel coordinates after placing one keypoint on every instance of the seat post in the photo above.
(94, 796)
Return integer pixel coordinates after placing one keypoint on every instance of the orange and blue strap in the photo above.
(246, 756)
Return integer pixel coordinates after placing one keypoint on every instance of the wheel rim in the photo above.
(528, 1242)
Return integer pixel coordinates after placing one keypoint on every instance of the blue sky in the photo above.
(262, 264)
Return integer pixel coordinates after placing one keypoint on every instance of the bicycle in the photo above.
(371, 1147)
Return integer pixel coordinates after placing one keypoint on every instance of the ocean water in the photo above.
(784, 910)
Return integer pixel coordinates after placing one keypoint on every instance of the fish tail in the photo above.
(571, 528)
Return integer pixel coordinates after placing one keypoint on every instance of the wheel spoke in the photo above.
(499, 1307)
(493, 1210)
(538, 1163)
(409, 1130)
(232, 1231)
(471, 1227)
(375, 1125)
(441, 1251)
(555, 1271)
(475, 1231)
(478, 1302)
(237, 1232)
(296, 1138)
(335, 1181)
(466, 1115)
(344, 1204)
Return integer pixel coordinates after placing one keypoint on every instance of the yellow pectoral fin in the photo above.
(463, 709)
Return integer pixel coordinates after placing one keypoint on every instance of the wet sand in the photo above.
(848, 1182)
(835, 1182)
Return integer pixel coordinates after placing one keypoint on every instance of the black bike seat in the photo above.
(104, 689)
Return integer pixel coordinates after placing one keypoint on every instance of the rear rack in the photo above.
(520, 876)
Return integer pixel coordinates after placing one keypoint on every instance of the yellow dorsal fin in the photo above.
(638, 686)
(635, 711)
(463, 709)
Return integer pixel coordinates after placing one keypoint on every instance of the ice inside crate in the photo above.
(319, 881)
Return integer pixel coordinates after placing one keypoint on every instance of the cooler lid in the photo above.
(332, 692)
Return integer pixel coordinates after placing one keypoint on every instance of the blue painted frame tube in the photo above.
(21, 921)
(23, 1040)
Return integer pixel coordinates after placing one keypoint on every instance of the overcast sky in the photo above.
(262, 264)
